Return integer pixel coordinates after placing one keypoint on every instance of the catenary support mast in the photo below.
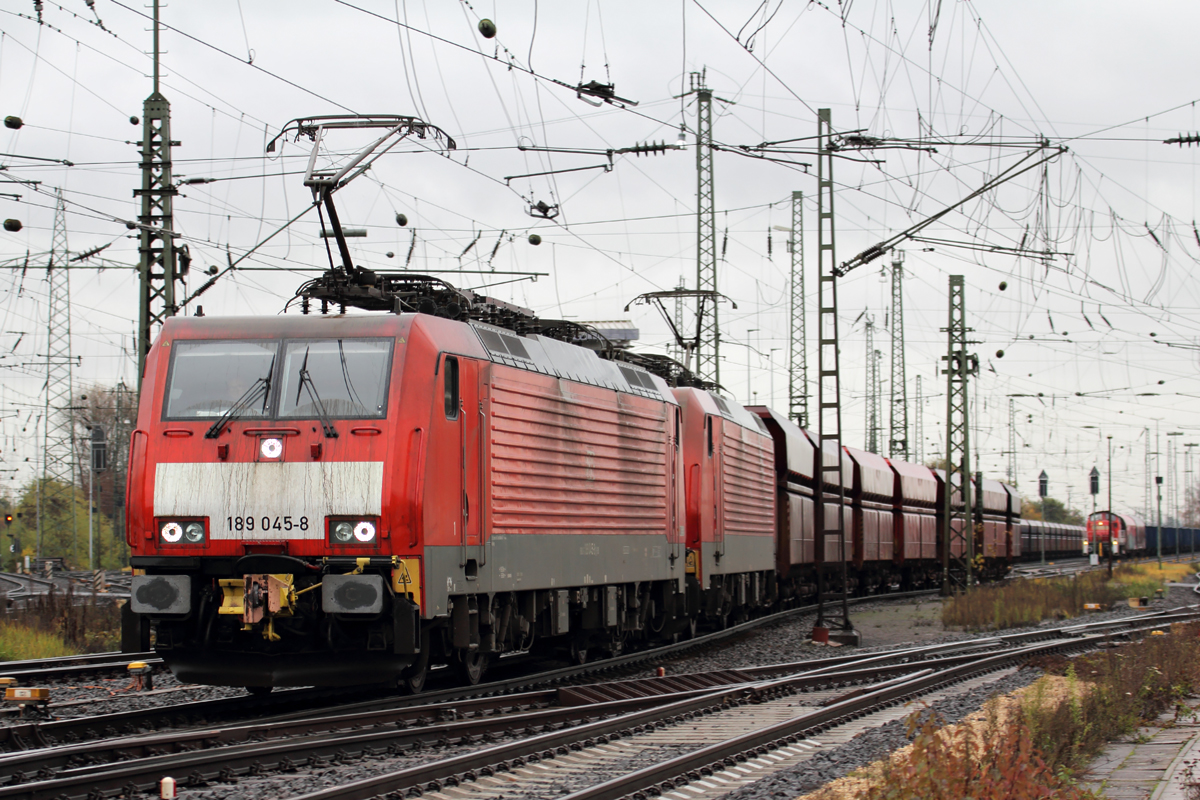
(57, 495)
(833, 611)
(898, 445)
(708, 354)
(958, 551)
(798, 338)
(156, 267)
(919, 424)
(873, 420)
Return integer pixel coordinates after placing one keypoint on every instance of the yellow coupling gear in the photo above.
(258, 598)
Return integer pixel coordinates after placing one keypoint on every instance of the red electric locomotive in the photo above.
(730, 489)
(396, 487)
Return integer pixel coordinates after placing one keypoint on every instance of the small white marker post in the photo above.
(166, 789)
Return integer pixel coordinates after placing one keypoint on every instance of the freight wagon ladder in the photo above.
(833, 610)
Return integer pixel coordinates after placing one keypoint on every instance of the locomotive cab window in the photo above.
(348, 378)
(451, 387)
(209, 377)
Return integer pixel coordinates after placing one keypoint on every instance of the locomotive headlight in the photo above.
(343, 532)
(193, 532)
(172, 532)
(271, 448)
(364, 532)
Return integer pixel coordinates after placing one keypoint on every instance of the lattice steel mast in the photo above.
(872, 390)
(1149, 470)
(833, 611)
(708, 355)
(1012, 443)
(798, 338)
(958, 550)
(58, 444)
(919, 424)
(156, 268)
(680, 354)
(898, 446)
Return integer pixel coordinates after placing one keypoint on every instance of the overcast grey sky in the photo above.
(1107, 80)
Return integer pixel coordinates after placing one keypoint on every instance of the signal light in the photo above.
(8, 518)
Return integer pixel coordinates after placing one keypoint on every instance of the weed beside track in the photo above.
(1024, 603)
(59, 623)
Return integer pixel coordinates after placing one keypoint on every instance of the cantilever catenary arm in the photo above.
(875, 251)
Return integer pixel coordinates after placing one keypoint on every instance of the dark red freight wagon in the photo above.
(795, 457)
(872, 494)
(915, 523)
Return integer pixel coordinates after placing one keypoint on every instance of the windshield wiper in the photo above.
(307, 384)
(243, 403)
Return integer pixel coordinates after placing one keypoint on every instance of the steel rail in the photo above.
(436, 775)
(33, 735)
(332, 741)
(62, 668)
(563, 704)
(676, 772)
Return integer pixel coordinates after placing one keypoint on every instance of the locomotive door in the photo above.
(472, 440)
(678, 537)
(716, 448)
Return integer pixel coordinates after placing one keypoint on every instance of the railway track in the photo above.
(69, 667)
(775, 733)
(19, 587)
(572, 734)
(1064, 566)
(441, 685)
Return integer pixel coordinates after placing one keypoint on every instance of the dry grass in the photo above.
(987, 756)
(1032, 743)
(85, 624)
(1128, 686)
(1020, 603)
(19, 643)
(1027, 602)
(1171, 571)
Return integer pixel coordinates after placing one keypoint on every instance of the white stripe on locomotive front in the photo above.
(269, 489)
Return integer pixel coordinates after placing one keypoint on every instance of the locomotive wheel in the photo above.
(412, 680)
(470, 665)
(689, 633)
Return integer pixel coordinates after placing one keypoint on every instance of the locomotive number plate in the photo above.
(287, 523)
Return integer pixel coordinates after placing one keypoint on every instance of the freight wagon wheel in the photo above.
(412, 680)
(470, 665)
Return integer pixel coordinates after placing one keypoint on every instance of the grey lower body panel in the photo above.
(517, 563)
(738, 554)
